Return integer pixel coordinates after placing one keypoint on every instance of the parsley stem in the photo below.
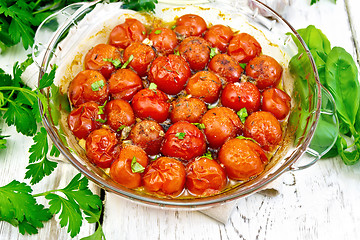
(3, 109)
(46, 9)
(45, 193)
(4, 88)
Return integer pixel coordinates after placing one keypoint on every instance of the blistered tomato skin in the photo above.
(205, 86)
(221, 124)
(242, 159)
(142, 54)
(82, 120)
(190, 25)
(148, 135)
(277, 102)
(183, 140)
(265, 70)
(102, 147)
(187, 109)
(241, 95)
(94, 59)
(170, 73)
(226, 67)
(119, 113)
(219, 36)
(205, 177)
(120, 170)
(196, 51)
(264, 128)
(153, 104)
(124, 84)
(164, 40)
(88, 85)
(124, 34)
(165, 175)
(244, 47)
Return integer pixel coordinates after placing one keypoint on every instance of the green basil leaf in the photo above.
(314, 39)
(342, 81)
(349, 157)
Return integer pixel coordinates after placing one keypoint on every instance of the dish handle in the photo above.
(325, 135)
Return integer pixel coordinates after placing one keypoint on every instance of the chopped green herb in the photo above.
(177, 53)
(153, 87)
(101, 120)
(211, 106)
(144, 33)
(157, 31)
(199, 125)
(168, 70)
(136, 167)
(173, 27)
(98, 85)
(128, 61)
(242, 65)
(213, 52)
(115, 62)
(242, 114)
(121, 128)
(180, 135)
(245, 138)
(207, 155)
(101, 108)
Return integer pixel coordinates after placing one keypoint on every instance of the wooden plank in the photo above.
(353, 7)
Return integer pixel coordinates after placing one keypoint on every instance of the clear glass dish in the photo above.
(312, 106)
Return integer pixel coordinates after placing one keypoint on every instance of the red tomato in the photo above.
(121, 170)
(148, 135)
(265, 70)
(241, 95)
(94, 59)
(264, 128)
(219, 36)
(244, 47)
(221, 124)
(226, 67)
(119, 113)
(151, 103)
(82, 120)
(242, 159)
(205, 177)
(165, 175)
(277, 102)
(164, 40)
(128, 32)
(142, 54)
(187, 109)
(190, 25)
(196, 51)
(205, 86)
(88, 85)
(102, 147)
(169, 73)
(124, 84)
(183, 140)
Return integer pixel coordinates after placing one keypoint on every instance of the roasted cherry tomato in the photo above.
(119, 113)
(265, 70)
(98, 58)
(85, 119)
(165, 175)
(226, 67)
(204, 85)
(242, 159)
(169, 73)
(196, 51)
(187, 109)
(241, 95)
(148, 135)
(264, 128)
(130, 31)
(151, 103)
(244, 47)
(88, 85)
(102, 147)
(221, 124)
(219, 36)
(123, 84)
(123, 170)
(142, 56)
(190, 25)
(277, 102)
(205, 177)
(164, 40)
(183, 140)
